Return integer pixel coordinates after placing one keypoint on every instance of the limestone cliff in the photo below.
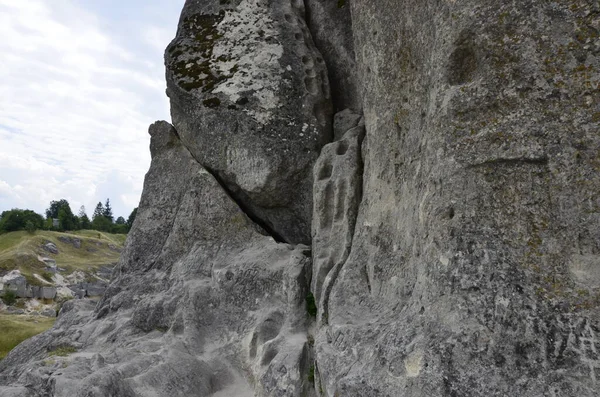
(445, 219)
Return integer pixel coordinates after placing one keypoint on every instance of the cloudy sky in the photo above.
(80, 81)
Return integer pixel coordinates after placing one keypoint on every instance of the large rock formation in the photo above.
(250, 100)
(455, 249)
(474, 264)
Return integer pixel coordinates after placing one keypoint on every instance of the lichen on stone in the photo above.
(249, 51)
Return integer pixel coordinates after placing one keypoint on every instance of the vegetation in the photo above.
(9, 297)
(60, 217)
(311, 306)
(311, 374)
(62, 351)
(19, 250)
(15, 329)
(16, 219)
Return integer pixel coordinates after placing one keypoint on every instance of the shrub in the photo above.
(62, 351)
(9, 297)
(311, 306)
(30, 227)
(47, 276)
(311, 374)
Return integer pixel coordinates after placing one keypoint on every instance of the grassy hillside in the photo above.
(15, 329)
(20, 250)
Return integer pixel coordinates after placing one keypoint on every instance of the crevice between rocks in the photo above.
(239, 200)
(262, 226)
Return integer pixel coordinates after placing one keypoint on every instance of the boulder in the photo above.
(74, 241)
(48, 313)
(14, 310)
(49, 262)
(50, 247)
(14, 279)
(250, 100)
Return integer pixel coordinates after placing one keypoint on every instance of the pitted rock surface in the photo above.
(202, 303)
(455, 249)
(250, 99)
(337, 193)
(478, 222)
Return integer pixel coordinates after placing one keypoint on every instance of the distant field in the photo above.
(20, 250)
(15, 329)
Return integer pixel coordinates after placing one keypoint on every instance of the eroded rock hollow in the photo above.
(426, 172)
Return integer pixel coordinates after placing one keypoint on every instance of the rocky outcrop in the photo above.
(454, 226)
(215, 307)
(477, 224)
(250, 100)
(337, 193)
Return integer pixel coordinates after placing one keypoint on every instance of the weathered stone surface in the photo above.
(250, 100)
(344, 121)
(14, 278)
(74, 241)
(50, 247)
(479, 217)
(337, 194)
(48, 313)
(202, 303)
(469, 268)
(331, 28)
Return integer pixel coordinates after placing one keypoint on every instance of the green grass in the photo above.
(15, 329)
(19, 250)
(62, 351)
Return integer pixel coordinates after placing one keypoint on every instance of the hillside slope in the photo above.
(84, 250)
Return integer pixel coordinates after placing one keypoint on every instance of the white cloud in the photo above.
(75, 103)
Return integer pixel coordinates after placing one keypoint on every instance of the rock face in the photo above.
(331, 28)
(473, 265)
(250, 100)
(337, 193)
(215, 307)
(455, 227)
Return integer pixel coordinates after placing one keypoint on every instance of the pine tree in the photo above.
(108, 211)
(99, 211)
(84, 221)
(131, 217)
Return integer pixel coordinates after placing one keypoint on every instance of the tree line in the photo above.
(60, 217)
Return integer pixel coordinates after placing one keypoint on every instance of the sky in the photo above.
(80, 82)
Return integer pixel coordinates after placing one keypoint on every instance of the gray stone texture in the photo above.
(455, 249)
(330, 24)
(202, 304)
(250, 100)
(50, 247)
(337, 193)
(480, 217)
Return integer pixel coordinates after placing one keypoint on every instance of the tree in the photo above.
(65, 219)
(120, 221)
(17, 219)
(84, 221)
(30, 227)
(101, 223)
(99, 211)
(55, 206)
(62, 210)
(108, 211)
(131, 217)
